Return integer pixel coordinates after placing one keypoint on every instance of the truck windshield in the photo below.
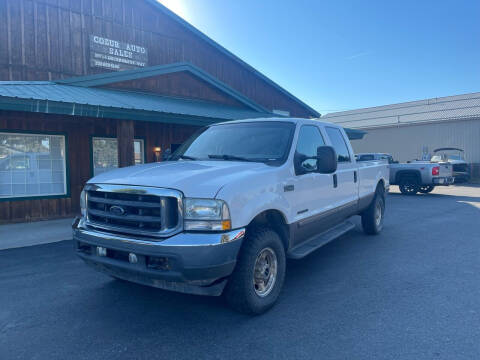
(267, 141)
(439, 158)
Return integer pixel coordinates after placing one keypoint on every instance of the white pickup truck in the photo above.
(236, 200)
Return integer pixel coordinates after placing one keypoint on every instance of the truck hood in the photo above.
(194, 178)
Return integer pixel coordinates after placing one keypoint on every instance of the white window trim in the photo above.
(65, 192)
(142, 149)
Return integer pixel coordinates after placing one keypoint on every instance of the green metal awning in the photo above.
(80, 100)
(54, 98)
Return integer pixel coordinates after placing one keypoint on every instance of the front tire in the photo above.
(372, 217)
(257, 280)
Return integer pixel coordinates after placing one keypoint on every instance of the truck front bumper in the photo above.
(196, 263)
(443, 180)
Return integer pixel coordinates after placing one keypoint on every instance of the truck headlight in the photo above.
(206, 215)
(83, 203)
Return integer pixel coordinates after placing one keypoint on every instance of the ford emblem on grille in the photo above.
(117, 210)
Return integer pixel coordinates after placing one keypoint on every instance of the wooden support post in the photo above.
(125, 135)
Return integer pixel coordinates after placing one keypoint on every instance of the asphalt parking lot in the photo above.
(411, 293)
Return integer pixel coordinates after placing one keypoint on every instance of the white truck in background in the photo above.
(236, 200)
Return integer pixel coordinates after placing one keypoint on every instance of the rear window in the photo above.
(365, 157)
(339, 144)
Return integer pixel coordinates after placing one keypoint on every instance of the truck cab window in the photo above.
(365, 158)
(309, 138)
(339, 144)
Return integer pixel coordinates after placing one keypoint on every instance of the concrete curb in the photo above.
(35, 233)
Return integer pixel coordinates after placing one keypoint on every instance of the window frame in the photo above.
(296, 145)
(67, 193)
(143, 139)
(346, 144)
(142, 149)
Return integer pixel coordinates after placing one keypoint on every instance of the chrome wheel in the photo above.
(426, 189)
(409, 187)
(265, 272)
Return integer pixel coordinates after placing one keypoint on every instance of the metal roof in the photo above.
(436, 109)
(53, 98)
(217, 46)
(126, 75)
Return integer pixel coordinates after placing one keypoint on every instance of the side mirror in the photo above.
(326, 160)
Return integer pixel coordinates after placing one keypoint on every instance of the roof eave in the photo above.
(95, 111)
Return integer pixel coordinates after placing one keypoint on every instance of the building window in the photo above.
(105, 154)
(32, 165)
(139, 147)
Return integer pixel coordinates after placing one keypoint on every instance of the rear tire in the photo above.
(257, 280)
(409, 186)
(372, 217)
(426, 189)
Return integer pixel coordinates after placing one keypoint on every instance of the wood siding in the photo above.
(78, 131)
(125, 137)
(49, 39)
(181, 84)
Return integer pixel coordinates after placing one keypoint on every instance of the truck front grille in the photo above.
(134, 210)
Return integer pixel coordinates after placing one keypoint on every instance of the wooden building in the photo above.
(90, 85)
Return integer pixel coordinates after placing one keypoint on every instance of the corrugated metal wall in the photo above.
(447, 108)
(407, 142)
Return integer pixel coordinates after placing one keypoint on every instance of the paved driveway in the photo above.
(411, 293)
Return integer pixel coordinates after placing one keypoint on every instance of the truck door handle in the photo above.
(289, 188)
(355, 176)
(335, 180)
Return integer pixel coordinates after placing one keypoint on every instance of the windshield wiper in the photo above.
(186, 157)
(230, 157)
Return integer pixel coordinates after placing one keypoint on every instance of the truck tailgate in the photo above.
(446, 170)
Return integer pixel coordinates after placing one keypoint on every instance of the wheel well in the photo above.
(380, 186)
(274, 220)
(408, 174)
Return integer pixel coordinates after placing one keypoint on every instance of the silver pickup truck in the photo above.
(416, 176)
(420, 176)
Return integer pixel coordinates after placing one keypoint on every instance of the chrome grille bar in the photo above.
(128, 217)
(136, 210)
(123, 202)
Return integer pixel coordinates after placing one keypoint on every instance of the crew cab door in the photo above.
(346, 178)
(308, 190)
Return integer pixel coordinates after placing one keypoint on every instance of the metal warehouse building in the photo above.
(91, 85)
(409, 130)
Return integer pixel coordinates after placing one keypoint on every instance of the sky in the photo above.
(339, 55)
